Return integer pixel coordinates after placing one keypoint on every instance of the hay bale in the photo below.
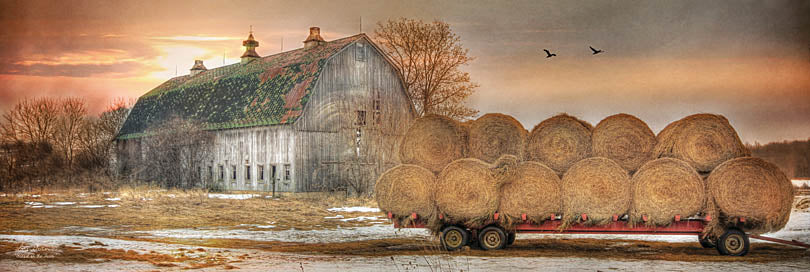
(534, 190)
(625, 139)
(664, 188)
(406, 189)
(596, 186)
(432, 142)
(559, 142)
(494, 135)
(467, 191)
(751, 188)
(702, 140)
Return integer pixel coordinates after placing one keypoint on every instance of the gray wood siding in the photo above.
(267, 146)
(327, 154)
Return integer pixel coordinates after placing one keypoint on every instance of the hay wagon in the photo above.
(492, 236)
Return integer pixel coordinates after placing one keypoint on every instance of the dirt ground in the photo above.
(149, 229)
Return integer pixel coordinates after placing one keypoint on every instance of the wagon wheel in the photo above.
(733, 243)
(453, 238)
(707, 243)
(491, 238)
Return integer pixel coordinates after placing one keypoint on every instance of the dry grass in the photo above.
(144, 208)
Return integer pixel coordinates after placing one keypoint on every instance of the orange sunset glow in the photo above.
(662, 60)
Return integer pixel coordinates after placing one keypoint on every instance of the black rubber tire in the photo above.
(492, 238)
(733, 243)
(454, 238)
(510, 238)
(707, 243)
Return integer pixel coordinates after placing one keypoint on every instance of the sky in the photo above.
(663, 60)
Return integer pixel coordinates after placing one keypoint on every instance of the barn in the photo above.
(327, 116)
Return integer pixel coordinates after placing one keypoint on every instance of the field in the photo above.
(144, 229)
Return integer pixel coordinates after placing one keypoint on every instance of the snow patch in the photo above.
(333, 217)
(64, 203)
(360, 219)
(354, 209)
(113, 199)
(293, 235)
(800, 182)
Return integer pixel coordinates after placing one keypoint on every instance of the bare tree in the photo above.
(429, 56)
(31, 120)
(70, 122)
(97, 139)
(175, 152)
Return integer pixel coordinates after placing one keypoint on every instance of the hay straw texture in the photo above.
(494, 135)
(624, 139)
(596, 186)
(534, 190)
(702, 140)
(432, 142)
(406, 189)
(752, 188)
(467, 191)
(559, 142)
(664, 188)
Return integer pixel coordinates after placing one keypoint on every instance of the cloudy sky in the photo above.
(748, 60)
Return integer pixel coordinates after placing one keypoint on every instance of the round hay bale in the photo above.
(751, 188)
(494, 135)
(702, 140)
(432, 142)
(534, 190)
(664, 188)
(559, 142)
(596, 186)
(406, 189)
(467, 191)
(624, 139)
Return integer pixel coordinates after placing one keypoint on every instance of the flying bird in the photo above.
(549, 54)
(596, 51)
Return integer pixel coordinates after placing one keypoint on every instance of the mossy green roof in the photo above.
(267, 91)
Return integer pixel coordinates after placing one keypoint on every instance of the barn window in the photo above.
(221, 173)
(210, 172)
(361, 118)
(247, 172)
(287, 172)
(360, 52)
(233, 172)
(261, 172)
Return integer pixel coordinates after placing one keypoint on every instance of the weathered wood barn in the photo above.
(326, 116)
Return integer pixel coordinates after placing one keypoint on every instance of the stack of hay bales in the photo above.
(695, 166)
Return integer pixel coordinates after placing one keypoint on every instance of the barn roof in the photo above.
(268, 91)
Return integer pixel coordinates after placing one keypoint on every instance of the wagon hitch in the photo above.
(781, 241)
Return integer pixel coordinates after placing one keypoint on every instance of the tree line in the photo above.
(793, 157)
(48, 142)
